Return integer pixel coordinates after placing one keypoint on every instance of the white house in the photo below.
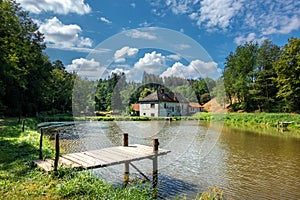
(165, 103)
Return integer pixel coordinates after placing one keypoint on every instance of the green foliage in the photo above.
(287, 68)
(214, 193)
(252, 73)
(238, 73)
(29, 82)
(83, 185)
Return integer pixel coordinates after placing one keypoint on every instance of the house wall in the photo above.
(165, 109)
(149, 109)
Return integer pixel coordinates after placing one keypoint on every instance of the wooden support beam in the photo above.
(155, 144)
(23, 125)
(137, 169)
(126, 164)
(125, 140)
(41, 144)
(56, 151)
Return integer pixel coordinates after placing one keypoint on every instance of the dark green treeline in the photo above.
(264, 77)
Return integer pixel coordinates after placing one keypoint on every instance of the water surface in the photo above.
(246, 165)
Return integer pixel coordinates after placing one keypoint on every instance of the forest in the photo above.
(257, 77)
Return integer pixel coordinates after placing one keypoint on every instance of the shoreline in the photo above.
(264, 123)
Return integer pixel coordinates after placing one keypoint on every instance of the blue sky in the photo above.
(75, 28)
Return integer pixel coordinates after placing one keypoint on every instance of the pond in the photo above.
(244, 164)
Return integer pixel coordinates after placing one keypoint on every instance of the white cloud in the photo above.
(103, 19)
(179, 7)
(182, 46)
(56, 6)
(261, 17)
(121, 54)
(218, 13)
(83, 64)
(194, 16)
(86, 68)
(286, 26)
(61, 36)
(250, 37)
(272, 17)
(194, 70)
(133, 5)
(152, 63)
(174, 57)
(140, 35)
(145, 24)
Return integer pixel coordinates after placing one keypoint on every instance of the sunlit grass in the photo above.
(20, 179)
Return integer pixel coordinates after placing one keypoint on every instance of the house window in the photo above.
(165, 105)
(152, 105)
(152, 114)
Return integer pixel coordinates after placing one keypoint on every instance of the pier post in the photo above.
(155, 170)
(23, 125)
(41, 143)
(56, 152)
(126, 164)
(155, 144)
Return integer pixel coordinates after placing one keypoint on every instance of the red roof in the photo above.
(135, 107)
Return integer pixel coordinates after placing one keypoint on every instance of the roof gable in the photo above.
(165, 96)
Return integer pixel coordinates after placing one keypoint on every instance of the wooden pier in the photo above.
(282, 126)
(105, 157)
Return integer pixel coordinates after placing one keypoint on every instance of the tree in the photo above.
(21, 61)
(287, 68)
(238, 75)
(264, 88)
(59, 88)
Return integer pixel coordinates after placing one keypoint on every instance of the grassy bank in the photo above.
(265, 123)
(19, 179)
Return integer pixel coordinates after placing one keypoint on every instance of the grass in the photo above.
(262, 123)
(20, 179)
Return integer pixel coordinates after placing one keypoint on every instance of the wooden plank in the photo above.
(140, 150)
(75, 160)
(87, 158)
(98, 157)
(116, 155)
(45, 164)
(144, 148)
(134, 150)
(103, 157)
(126, 154)
(65, 162)
(110, 155)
